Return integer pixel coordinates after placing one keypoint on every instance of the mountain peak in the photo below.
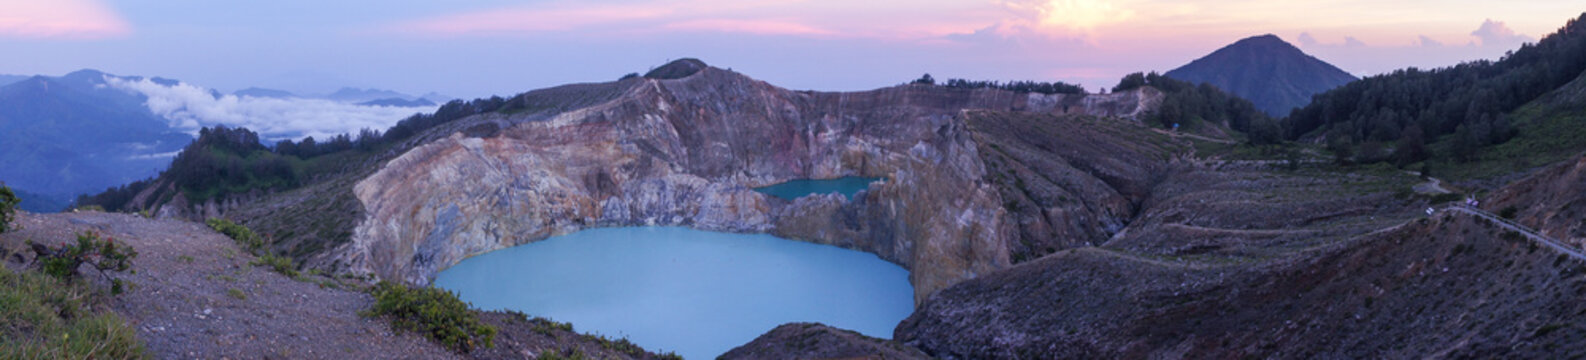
(1270, 72)
(677, 69)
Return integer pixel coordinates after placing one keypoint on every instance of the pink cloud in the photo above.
(60, 19)
(758, 27)
(528, 20)
(756, 17)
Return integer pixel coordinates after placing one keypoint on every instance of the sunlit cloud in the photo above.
(189, 107)
(60, 19)
(1071, 14)
(1496, 33)
(1489, 41)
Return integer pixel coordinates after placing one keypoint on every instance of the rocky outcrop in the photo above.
(1552, 200)
(179, 207)
(818, 341)
(1069, 181)
(688, 151)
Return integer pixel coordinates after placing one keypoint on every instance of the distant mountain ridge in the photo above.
(11, 79)
(1271, 73)
(73, 134)
(399, 102)
(264, 93)
(88, 130)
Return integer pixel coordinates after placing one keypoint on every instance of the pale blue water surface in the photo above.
(847, 186)
(698, 293)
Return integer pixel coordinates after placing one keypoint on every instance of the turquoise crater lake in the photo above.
(846, 186)
(698, 293)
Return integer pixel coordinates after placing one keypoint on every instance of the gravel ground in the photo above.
(194, 295)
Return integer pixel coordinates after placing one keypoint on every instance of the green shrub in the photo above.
(42, 317)
(437, 313)
(240, 233)
(103, 255)
(280, 264)
(1447, 198)
(621, 345)
(1508, 212)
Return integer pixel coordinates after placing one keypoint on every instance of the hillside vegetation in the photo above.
(1196, 108)
(1451, 115)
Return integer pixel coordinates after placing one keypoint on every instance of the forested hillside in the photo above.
(232, 160)
(1445, 115)
(1191, 106)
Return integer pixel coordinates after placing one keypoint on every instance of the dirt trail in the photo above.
(196, 296)
(1432, 186)
(1533, 235)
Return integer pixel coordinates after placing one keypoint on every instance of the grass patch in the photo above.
(280, 264)
(437, 313)
(236, 294)
(247, 238)
(255, 244)
(42, 317)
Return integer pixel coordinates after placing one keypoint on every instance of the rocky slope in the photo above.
(1450, 286)
(818, 341)
(1550, 200)
(195, 293)
(687, 151)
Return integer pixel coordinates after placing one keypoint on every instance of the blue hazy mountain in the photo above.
(398, 102)
(356, 95)
(11, 79)
(75, 134)
(264, 93)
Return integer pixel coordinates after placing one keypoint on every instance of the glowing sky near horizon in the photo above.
(503, 47)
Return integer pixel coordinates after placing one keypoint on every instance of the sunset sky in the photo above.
(505, 47)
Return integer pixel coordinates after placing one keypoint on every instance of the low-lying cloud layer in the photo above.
(191, 107)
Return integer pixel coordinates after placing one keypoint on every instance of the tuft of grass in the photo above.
(236, 293)
(573, 354)
(244, 236)
(437, 313)
(185, 259)
(42, 317)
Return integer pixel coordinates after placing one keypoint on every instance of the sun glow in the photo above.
(1081, 14)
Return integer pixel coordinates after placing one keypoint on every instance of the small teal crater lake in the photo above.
(847, 186)
(698, 293)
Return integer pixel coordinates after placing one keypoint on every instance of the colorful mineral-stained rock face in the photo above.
(690, 151)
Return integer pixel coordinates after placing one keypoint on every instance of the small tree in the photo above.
(102, 255)
(926, 79)
(8, 208)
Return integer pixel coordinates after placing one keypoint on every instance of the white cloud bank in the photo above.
(189, 107)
